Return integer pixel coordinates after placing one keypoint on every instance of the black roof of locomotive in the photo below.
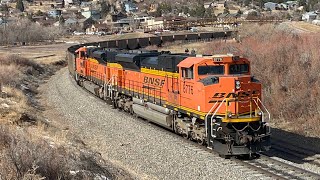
(135, 59)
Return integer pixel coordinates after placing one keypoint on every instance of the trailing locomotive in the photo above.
(213, 99)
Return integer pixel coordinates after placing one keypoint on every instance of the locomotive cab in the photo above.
(222, 89)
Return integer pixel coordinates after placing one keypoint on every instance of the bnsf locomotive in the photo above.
(213, 99)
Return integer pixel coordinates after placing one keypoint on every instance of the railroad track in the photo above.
(295, 153)
(281, 170)
(262, 166)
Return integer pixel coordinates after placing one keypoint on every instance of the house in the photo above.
(6, 1)
(292, 4)
(95, 14)
(227, 17)
(271, 5)
(67, 2)
(70, 22)
(114, 17)
(219, 4)
(141, 17)
(153, 24)
(86, 23)
(86, 4)
(309, 16)
(54, 13)
(127, 21)
(37, 18)
(283, 6)
(208, 4)
(98, 28)
(130, 6)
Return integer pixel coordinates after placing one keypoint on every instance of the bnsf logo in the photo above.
(153, 81)
(236, 95)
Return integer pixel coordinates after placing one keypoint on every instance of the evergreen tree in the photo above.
(226, 10)
(163, 8)
(158, 12)
(20, 5)
(185, 9)
(105, 8)
(61, 21)
(200, 11)
(4, 8)
(209, 13)
(123, 7)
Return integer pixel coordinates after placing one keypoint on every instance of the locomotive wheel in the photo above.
(193, 136)
(186, 135)
(200, 141)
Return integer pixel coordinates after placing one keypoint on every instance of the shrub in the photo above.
(25, 31)
(25, 156)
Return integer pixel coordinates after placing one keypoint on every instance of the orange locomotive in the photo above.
(210, 99)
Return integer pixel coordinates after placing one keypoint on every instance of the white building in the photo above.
(309, 16)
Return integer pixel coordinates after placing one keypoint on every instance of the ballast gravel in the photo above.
(143, 150)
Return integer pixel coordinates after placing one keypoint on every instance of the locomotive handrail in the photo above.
(105, 86)
(224, 100)
(264, 107)
(212, 108)
(208, 115)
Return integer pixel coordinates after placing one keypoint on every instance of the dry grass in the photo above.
(26, 156)
(307, 27)
(30, 149)
(13, 105)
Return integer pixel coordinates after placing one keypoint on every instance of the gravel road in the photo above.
(145, 151)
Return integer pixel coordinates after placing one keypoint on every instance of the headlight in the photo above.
(238, 84)
(230, 115)
(260, 113)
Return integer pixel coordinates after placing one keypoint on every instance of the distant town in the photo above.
(101, 17)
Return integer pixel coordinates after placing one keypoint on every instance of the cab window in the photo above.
(82, 54)
(211, 70)
(238, 68)
(187, 73)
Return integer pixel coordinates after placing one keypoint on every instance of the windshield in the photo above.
(211, 70)
(239, 68)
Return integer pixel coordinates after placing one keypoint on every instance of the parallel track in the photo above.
(296, 153)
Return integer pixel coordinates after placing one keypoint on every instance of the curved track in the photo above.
(263, 167)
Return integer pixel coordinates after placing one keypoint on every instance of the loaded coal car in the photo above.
(211, 99)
